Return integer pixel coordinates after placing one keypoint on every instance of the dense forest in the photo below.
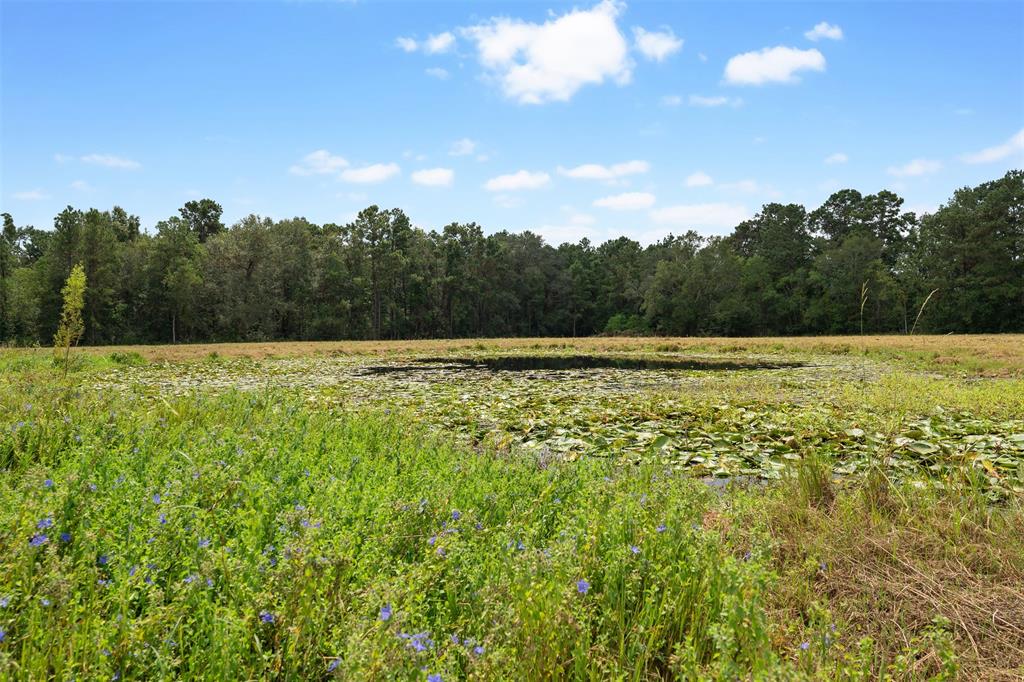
(856, 263)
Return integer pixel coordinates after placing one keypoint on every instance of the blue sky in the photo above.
(592, 119)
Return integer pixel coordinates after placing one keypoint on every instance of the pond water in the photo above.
(533, 363)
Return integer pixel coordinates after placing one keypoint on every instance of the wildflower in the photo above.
(92, 487)
(102, 582)
(478, 526)
(209, 582)
(823, 566)
(456, 515)
(634, 549)
(441, 552)
(432, 540)
(334, 665)
(45, 523)
(4, 601)
(48, 483)
(131, 571)
(434, 677)
(747, 555)
(3, 635)
(204, 543)
(385, 613)
(520, 546)
(103, 560)
(804, 646)
(266, 616)
(661, 528)
(65, 537)
(478, 650)
(105, 652)
(163, 519)
(582, 586)
(38, 540)
(44, 601)
(191, 578)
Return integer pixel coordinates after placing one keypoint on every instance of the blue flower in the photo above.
(163, 519)
(804, 646)
(191, 578)
(455, 639)
(634, 549)
(92, 487)
(334, 665)
(38, 540)
(45, 523)
(156, 498)
(431, 540)
(209, 582)
(385, 613)
(266, 616)
(456, 515)
(65, 537)
(434, 677)
(48, 483)
(661, 528)
(582, 586)
(4, 601)
(103, 560)
(204, 543)
(3, 635)
(44, 601)
(478, 650)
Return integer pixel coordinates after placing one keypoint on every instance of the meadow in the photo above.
(603, 508)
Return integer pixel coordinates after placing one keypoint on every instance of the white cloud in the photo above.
(81, 186)
(437, 72)
(536, 63)
(436, 44)
(434, 177)
(699, 179)
(824, 30)
(717, 101)
(31, 195)
(772, 65)
(1012, 146)
(377, 172)
(671, 100)
(656, 45)
(439, 43)
(111, 161)
(701, 56)
(629, 201)
(914, 168)
(719, 215)
(516, 181)
(320, 162)
(595, 171)
(838, 157)
(463, 147)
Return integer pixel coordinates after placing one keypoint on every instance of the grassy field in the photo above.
(815, 508)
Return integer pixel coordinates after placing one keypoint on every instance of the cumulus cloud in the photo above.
(716, 101)
(515, 181)
(110, 161)
(435, 44)
(772, 65)
(31, 195)
(656, 45)
(715, 216)
(1014, 145)
(537, 63)
(915, 168)
(699, 179)
(377, 172)
(595, 171)
(628, 201)
(434, 177)
(838, 157)
(463, 147)
(320, 162)
(824, 30)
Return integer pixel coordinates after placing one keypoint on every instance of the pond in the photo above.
(535, 363)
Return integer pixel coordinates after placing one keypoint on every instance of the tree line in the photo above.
(855, 262)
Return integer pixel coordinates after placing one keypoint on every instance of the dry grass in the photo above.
(985, 355)
(889, 575)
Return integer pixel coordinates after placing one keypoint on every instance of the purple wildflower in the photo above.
(38, 540)
(661, 528)
(191, 578)
(43, 524)
(385, 613)
(48, 483)
(3, 635)
(44, 601)
(456, 515)
(266, 616)
(634, 549)
(65, 537)
(478, 650)
(204, 543)
(434, 677)
(334, 665)
(582, 586)
(103, 560)
(804, 646)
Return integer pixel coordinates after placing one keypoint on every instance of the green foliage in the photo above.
(71, 325)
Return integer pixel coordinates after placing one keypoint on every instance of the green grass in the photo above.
(224, 534)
